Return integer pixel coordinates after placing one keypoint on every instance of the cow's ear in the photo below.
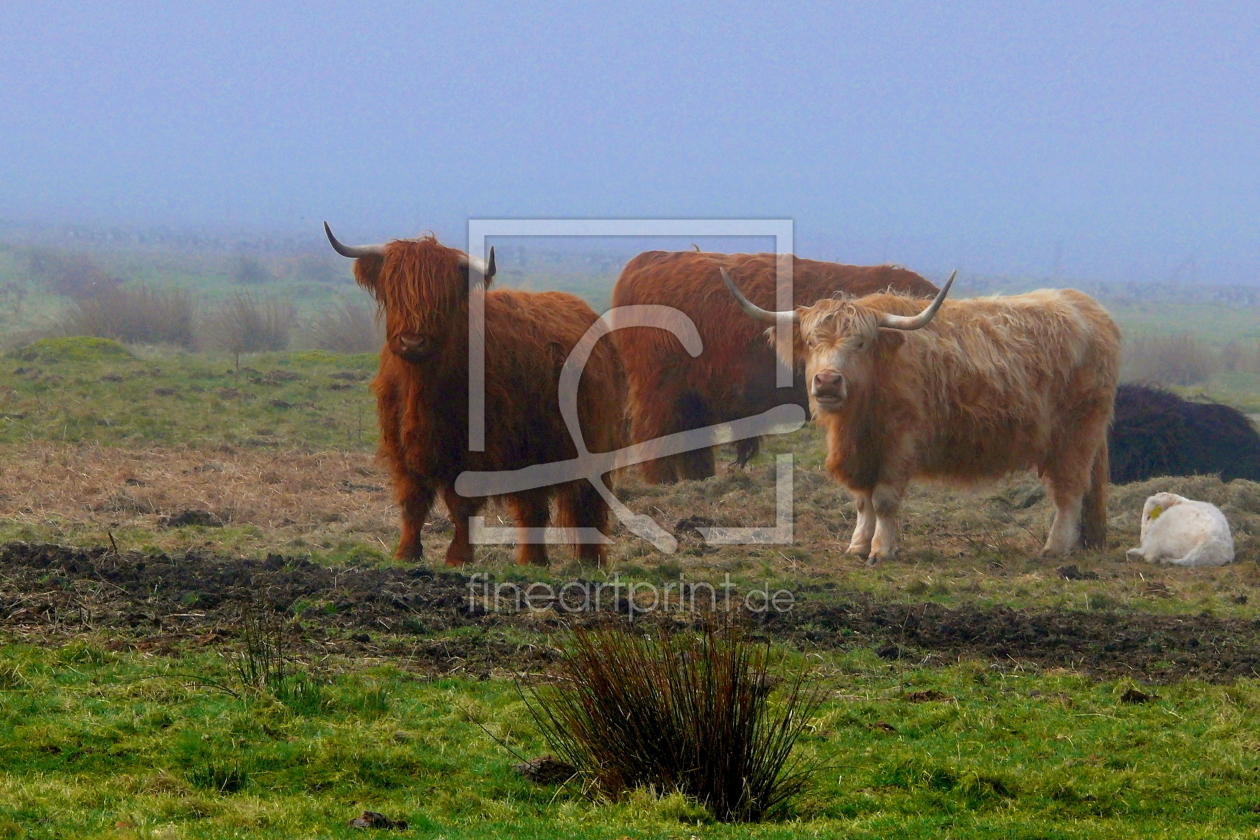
(485, 281)
(367, 272)
(888, 342)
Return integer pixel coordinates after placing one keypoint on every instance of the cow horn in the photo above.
(354, 252)
(487, 268)
(752, 309)
(914, 322)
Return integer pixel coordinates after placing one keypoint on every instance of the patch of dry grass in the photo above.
(336, 506)
(273, 500)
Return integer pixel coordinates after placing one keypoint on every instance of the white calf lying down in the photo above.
(1183, 532)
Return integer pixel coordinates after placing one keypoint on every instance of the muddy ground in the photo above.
(167, 603)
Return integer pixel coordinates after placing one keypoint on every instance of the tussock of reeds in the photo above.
(347, 327)
(1167, 360)
(245, 324)
(134, 315)
(701, 715)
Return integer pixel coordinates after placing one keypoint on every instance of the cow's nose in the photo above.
(828, 383)
(412, 346)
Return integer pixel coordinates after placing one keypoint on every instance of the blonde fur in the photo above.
(991, 386)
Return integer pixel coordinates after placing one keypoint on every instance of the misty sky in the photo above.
(1116, 141)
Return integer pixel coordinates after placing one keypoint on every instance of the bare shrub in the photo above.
(133, 315)
(69, 273)
(347, 327)
(315, 268)
(245, 324)
(688, 714)
(1167, 360)
(248, 270)
(1241, 358)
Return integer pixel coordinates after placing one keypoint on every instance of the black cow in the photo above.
(1156, 432)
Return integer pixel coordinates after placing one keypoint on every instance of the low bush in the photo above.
(347, 327)
(68, 273)
(1167, 360)
(695, 715)
(245, 324)
(1239, 357)
(249, 270)
(134, 315)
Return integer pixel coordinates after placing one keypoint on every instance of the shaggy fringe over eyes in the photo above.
(420, 281)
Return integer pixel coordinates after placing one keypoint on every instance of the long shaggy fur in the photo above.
(990, 386)
(1158, 433)
(422, 394)
(734, 377)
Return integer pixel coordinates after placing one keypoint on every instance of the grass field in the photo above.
(99, 743)
(974, 690)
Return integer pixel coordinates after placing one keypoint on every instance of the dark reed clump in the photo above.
(697, 714)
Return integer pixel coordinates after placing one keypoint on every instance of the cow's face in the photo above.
(420, 287)
(841, 344)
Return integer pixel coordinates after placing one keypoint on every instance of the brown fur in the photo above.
(422, 394)
(734, 377)
(990, 386)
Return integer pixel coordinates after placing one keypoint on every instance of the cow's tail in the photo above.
(1094, 505)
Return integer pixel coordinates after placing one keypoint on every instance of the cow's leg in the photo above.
(532, 512)
(864, 531)
(694, 414)
(460, 550)
(1070, 472)
(415, 498)
(653, 417)
(1067, 477)
(886, 502)
(578, 505)
(660, 470)
(696, 464)
(1065, 530)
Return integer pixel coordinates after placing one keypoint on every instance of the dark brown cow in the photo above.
(421, 390)
(734, 376)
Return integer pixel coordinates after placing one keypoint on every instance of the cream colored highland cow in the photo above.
(961, 391)
(1183, 532)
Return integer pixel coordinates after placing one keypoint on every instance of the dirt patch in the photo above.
(159, 601)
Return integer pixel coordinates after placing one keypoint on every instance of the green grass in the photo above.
(1215, 324)
(107, 744)
(94, 390)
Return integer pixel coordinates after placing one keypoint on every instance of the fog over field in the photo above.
(1065, 140)
(241, 595)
